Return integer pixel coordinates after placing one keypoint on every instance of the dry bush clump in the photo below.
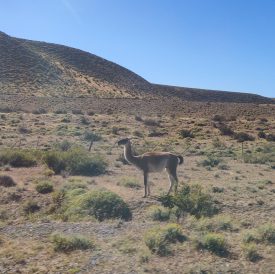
(6, 181)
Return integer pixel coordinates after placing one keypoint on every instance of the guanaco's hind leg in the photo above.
(173, 178)
(145, 175)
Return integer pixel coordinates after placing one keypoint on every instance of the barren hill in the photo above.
(44, 69)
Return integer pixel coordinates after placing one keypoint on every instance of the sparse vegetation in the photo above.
(65, 243)
(210, 161)
(214, 224)
(158, 239)
(44, 187)
(267, 233)
(251, 252)
(30, 207)
(129, 182)
(236, 178)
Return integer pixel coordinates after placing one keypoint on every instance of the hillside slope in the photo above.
(43, 69)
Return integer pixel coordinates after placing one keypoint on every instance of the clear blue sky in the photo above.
(215, 44)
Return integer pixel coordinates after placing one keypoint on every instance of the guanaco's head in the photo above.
(123, 142)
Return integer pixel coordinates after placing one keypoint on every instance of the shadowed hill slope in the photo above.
(44, 69)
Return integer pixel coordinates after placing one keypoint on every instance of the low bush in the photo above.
(215, 224)
(262, 155)
(270, 137)
(60, 111)
(77, 111)
(76, 161)
(218, 118)
(91, 136)
(39, 111)
(210, 162)
(84, 120)
(18, 158)
(65, 145)
(30, 207)
(267, 233)
(186, 133)
(159, 213)
(243, 136)
(6, 181)
(250, 252)
(225, 130)
(77, 204)
(44, 187)
(138, 118)
(151, 122)
(262, 134)
(65, 243)
(215, 243)
(158, 239)
(192, 200)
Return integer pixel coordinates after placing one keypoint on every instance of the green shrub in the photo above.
(262, 134)
(60, 111)
(225, 130)
(77, 111)
(64, 243)
(65, 145)
(215, 224)
(44, 187)
(243, 136)
(270, 137)
(192, 200)
(100, 204)
(249, 237)
(39, 111)
(151, 122)
(215, 243)
(55, 160)
(91, 136)
(218, 118)
(159, 213)
(84, 120)
(17, 158)
(185, 133)
(210, 162)
(30, 207)
(76, 161)
(158, 239)
(6, 181)
(267, 233)
(250, 252)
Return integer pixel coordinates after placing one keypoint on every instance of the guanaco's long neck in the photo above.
(129, 155)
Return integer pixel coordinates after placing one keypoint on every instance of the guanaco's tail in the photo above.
(181, 159)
